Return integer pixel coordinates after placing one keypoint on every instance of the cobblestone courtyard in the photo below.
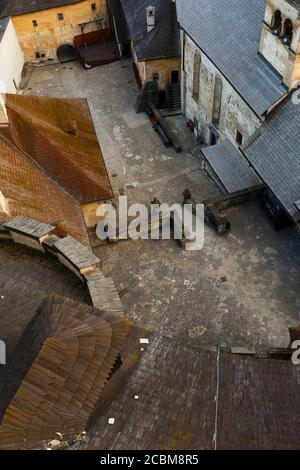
(241, 289)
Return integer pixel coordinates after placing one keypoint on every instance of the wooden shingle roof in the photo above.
(59, 368)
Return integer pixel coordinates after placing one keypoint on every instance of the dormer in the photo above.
(280, 38)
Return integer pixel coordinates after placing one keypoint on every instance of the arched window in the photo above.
(196, 75)
(217, 101)
(277, 23)
(287, 32)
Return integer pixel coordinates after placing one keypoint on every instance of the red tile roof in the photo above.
(51, 162)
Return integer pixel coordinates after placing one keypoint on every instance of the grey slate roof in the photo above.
(295, 3)
(163, 40)
(17, 7)
(228, 32)
(275, 155)
(230, 167)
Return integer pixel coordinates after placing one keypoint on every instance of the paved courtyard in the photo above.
(241, 289)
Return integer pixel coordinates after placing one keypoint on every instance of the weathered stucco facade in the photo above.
(160, 68)
(41, 33)
(11, 60)
(285, 58)
(234, 114)
(163, 68)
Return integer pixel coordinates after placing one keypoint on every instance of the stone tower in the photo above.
(280, 39)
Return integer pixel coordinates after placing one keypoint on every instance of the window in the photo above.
(277, 23)
(34, 23)
(217, 101)
(93, 6)
(196, 76)
(155, 76)
(287, 32)
(60, 16)
(239, 138)
(175, 76)
(37, 55)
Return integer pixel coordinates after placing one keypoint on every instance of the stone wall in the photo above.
(235, 113)
(50, 32)
(162, 67)
(285, 59)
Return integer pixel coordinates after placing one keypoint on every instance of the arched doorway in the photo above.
(66, 53)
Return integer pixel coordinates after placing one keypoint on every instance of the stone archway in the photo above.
(66, 53)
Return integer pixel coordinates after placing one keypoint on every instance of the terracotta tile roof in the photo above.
(57, 373)
(46, 170)
(59, 136)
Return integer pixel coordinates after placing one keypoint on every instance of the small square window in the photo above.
(239, 138)
(37, 55)
(60, 16)
(155, 76)
(93, 6)
(34, 23)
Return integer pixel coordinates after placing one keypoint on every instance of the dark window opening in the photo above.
(34, 23)
(126, 49)
(239, 138)
(175, 76)
(60, 16)
(155, 76)
(217, 101)
(277, 23)
(196, 76)
(93, 6)
(287, 32)
(37, 55)
(213, 139)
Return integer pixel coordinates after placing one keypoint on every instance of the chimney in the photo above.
(150, 12)
(3, 113)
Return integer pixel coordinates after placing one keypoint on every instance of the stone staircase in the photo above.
(174, 97)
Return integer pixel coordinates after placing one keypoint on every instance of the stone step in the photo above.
(103, 292)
